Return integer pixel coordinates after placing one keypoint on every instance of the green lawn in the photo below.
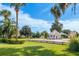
(34, 49)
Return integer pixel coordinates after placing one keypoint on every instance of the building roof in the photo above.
(54, 32)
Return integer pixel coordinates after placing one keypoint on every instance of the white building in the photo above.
(54, 35)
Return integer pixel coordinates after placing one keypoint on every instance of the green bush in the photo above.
(15, 42)
(12, 41)
(74, 44)
(3, 40)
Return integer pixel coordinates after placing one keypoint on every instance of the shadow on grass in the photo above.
(26, 51)
(32, 51)
(37, 51)
(9, 52)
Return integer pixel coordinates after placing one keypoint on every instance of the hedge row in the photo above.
(12, 41)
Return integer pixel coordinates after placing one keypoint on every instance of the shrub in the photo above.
(74, 44)
(15, 42)
(3, 40)
(12, 41)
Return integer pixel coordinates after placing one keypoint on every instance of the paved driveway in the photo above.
(57, 41)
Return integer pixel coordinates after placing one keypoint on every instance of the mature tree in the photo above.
(60, 8)
(66, 31)
(7, 26)
(45, 34)
(11, 29)
(56, 26)
(57, 13)
(57, 10)
(33, 35)
(26, 31)
(17, 7)
(5, 14)
(38, 35)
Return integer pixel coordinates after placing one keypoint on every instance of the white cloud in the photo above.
(72, 24)
(36, 24)
(25, 19)
(40, 24)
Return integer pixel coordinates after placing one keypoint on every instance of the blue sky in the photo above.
(39, 17)
(39, 11)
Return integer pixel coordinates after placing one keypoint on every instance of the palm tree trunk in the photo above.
(16, 25)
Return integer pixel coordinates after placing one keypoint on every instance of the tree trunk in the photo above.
(16, 25)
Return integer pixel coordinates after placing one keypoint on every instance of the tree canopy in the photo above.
(26, 31)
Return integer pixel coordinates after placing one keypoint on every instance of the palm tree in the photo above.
(5, 14)
(64, 6)
(58, 9)
(56, 12)
(17, 7)
(11, 28)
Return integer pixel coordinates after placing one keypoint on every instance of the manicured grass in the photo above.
(35, 48)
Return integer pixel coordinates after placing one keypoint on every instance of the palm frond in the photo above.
(6, 13)
(17, 5)
(63, 6)
(56, 12)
